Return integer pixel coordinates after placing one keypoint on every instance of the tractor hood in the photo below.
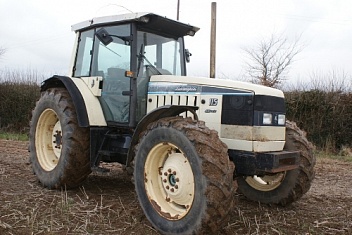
(218, 83)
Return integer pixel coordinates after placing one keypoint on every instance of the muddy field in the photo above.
(107, 204)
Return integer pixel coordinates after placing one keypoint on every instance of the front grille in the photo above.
(189, 100)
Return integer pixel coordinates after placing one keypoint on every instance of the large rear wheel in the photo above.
(59, 148)
(283, 187)
(183, 177)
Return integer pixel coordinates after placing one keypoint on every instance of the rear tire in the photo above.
(59, 148)
(286, 187)
(183, 177)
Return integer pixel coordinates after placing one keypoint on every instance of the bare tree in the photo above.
(2, 51)
(269, 62)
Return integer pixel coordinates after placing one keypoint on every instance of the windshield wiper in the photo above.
(141, 58)
(110, 50)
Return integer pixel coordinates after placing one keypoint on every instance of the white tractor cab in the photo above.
(128, 100)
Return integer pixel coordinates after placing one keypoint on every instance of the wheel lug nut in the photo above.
(167, 187)
(169, 170)
(172, 189)
(167, 199)
(177, 179)
(165, 173)
(164, 180)
(174, 173)
(176, 186)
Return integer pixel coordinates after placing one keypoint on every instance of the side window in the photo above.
(84, 54)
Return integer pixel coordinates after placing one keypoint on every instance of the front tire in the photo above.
(59, 148)
(285, 187)
(183, 177)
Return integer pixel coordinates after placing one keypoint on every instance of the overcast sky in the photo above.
(37, 34)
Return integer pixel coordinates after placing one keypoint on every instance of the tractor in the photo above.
(128, 99)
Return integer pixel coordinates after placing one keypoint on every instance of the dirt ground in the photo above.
(107, 203)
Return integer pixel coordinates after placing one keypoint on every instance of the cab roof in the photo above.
(147, 20)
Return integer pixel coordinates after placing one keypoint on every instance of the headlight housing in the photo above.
(274, 119)
(281, 119)
(267, 119)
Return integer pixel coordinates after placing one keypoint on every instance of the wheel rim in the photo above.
(48, 139)
(169, 181)
(267, 182)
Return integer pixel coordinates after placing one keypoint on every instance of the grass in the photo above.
(13, 136)
(343, 155)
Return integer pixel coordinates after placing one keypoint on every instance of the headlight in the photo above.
(281, 119)
(267, 118)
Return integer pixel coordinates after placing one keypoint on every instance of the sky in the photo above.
(37, 34)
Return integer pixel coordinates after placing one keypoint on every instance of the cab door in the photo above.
(111, 61)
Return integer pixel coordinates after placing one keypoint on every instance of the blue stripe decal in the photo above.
(196, 93)
(160, 88)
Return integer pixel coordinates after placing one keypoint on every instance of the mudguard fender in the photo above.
(87, 105)
(161, 112)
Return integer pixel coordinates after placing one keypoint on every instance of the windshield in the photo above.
(161, 54)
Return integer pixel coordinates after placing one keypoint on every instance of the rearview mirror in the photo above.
(104, 36)
(188, 55)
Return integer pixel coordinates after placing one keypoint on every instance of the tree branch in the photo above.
(270, 60)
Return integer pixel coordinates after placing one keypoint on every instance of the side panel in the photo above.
(93, 107)
(210, 110)
(93, 84)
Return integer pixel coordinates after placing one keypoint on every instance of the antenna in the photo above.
(111, 4)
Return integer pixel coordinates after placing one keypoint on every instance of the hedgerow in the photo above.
(18, 94)
(324, 111)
